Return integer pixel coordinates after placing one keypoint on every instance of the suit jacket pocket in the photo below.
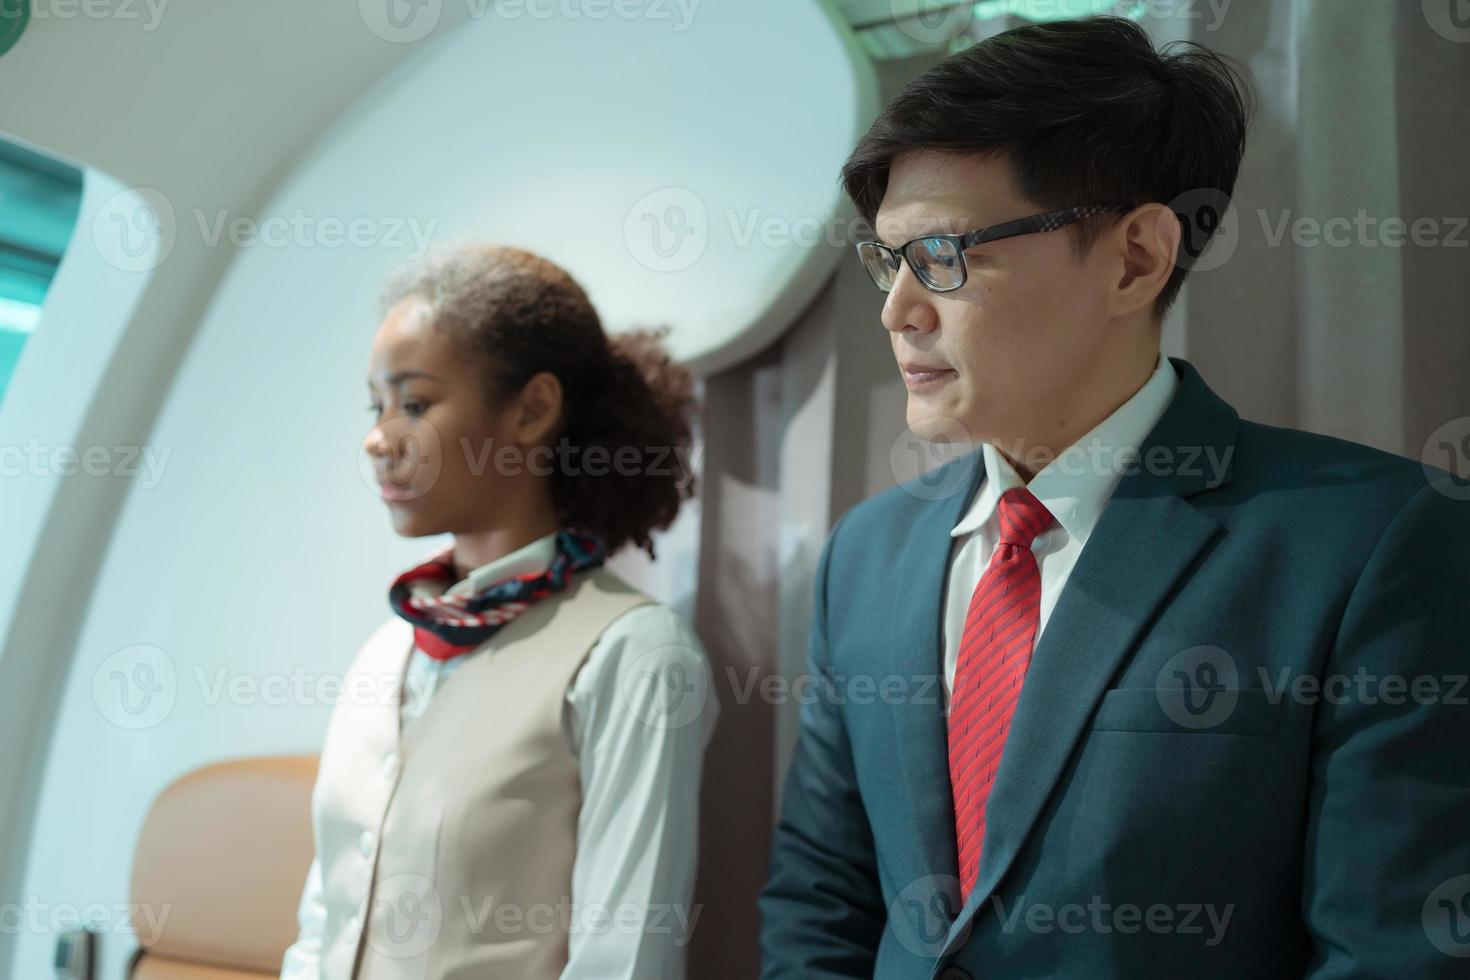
(1145, 709)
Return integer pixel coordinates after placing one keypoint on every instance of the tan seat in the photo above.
(220, 863)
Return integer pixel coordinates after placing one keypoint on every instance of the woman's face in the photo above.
(434, 440)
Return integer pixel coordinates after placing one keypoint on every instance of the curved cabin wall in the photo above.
(684, 169)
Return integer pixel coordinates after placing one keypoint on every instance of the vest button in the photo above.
(354, 922)
(954, 973)
(390, 762)
(365, 843)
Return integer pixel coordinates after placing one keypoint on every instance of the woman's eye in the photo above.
(410, 408)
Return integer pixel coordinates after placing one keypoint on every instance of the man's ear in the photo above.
(1146, 240)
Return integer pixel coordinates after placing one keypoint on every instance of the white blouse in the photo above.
(637, 833)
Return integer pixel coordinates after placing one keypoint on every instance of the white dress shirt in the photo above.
(637, 832)
(1075, 487)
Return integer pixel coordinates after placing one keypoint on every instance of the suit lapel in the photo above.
(1146, 538)
(918, 610)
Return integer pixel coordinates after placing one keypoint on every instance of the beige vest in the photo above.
(447, 851)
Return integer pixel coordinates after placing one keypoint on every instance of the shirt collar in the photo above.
(1077, 484)
(534, 557)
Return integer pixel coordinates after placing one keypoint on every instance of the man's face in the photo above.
(1017, 342)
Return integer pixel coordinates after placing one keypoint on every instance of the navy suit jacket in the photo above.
(1241, 750)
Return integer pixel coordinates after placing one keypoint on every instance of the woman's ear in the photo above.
(539, 408)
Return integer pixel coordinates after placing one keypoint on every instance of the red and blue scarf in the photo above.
(446, 625)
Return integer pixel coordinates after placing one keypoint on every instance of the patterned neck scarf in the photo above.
(446, 625)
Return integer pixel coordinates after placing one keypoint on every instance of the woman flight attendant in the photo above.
(523, 804)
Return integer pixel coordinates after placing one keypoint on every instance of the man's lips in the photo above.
(924, 374)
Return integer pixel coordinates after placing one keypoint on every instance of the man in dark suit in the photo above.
(1138, 689)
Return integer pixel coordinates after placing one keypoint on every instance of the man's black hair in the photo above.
(1086, 112)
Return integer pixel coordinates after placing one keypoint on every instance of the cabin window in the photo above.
(39, 201)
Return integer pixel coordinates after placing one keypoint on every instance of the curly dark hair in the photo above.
(523, 314)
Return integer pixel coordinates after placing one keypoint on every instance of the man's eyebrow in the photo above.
(961, 228)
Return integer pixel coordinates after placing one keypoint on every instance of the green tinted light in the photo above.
(1044, 11)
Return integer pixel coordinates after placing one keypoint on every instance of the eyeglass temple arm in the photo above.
(1049, 221)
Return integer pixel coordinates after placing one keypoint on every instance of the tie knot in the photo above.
(1022, 517)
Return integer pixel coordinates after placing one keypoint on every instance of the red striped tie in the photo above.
(1000, 629)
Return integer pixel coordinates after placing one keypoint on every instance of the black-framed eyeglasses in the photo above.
(938, 261)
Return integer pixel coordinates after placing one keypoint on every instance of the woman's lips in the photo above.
(394, 491)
